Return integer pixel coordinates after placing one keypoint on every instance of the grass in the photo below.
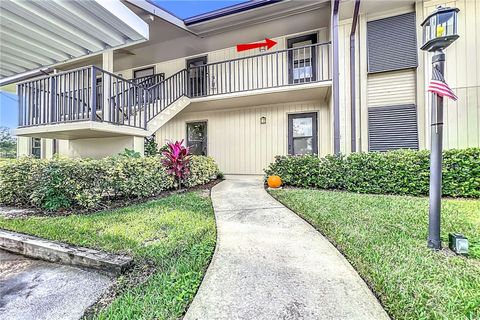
(384, 238)
(171, 239)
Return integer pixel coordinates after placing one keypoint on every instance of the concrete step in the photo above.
(63, 253)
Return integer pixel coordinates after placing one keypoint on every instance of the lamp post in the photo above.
(439, 31)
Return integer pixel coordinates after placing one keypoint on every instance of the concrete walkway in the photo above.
(270, 264)
(35, 289)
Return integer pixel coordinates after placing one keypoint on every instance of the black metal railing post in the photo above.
(53, 94)
(146, 104)
(93, 94)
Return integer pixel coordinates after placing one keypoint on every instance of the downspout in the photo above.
(335, 80)
(353, 98)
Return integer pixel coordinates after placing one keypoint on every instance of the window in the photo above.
(392, 43)
(140, 73)
(36, 149)
(197, 138)
(302, 133)
(302, 60)
(392, 127)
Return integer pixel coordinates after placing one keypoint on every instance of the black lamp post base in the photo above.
(434, 244)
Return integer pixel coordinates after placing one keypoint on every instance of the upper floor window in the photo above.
(302, 58)
(392, 43)
(36, 149)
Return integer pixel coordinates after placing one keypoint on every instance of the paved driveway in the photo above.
(270, 264)
(34, 289)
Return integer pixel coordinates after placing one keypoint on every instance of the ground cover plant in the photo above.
(171, 240)
(384, 238)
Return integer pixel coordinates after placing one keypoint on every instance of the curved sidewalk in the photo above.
(270, 264)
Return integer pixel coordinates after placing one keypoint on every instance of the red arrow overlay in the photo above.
(248, 46)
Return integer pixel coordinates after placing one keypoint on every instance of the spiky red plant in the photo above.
(176, 160)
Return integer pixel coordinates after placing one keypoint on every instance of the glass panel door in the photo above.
(197, 138)
(302, 59)
(302, 133)
(197, 76)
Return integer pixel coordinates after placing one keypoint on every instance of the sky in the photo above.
(189, 8)
(8, 110)
(181, 8)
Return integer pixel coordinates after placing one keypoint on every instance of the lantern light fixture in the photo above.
(440, 29)
(458, 243)
(263, 120)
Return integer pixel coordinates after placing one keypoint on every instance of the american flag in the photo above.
(439, 86)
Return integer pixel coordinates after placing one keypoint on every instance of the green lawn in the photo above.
(384, 238)
(173, 237)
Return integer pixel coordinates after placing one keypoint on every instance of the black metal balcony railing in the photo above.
(281, 68)
(93, 94)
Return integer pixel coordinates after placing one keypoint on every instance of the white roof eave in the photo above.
(41, 34)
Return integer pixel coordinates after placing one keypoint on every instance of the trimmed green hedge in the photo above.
(404, 172)
(65, 183)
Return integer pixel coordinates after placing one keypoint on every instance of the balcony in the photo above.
(91, 102)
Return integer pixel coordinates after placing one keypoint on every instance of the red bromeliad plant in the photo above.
(176, 160)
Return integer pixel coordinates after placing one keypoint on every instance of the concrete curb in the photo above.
(58, 252)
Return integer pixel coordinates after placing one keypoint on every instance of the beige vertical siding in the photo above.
(462, 72)
(344, 81)
(344, 30)
(23, 146)
(237, 140)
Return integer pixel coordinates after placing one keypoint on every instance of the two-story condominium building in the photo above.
(343, 76)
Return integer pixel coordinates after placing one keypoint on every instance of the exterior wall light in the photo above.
(458, 243)
(263, 120)
(440, 29)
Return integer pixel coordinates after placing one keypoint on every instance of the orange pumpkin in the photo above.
(274, 181)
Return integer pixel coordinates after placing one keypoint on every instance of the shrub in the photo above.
(151, 146)
(65, 183)
(404, 172)
(138, 177)
(202, 170)
(130, 153)
(17, 180)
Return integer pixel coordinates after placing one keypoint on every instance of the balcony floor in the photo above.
(95, 129)
(292, 93)
(79, 130)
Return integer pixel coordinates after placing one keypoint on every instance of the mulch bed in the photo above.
(18, 212)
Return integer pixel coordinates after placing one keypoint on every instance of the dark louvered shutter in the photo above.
(392, 43)
(393, 127)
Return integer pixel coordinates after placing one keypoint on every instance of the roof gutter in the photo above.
(353, 89)
(335, 78)
(163, 14)
(237, 8)
(25, 76)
